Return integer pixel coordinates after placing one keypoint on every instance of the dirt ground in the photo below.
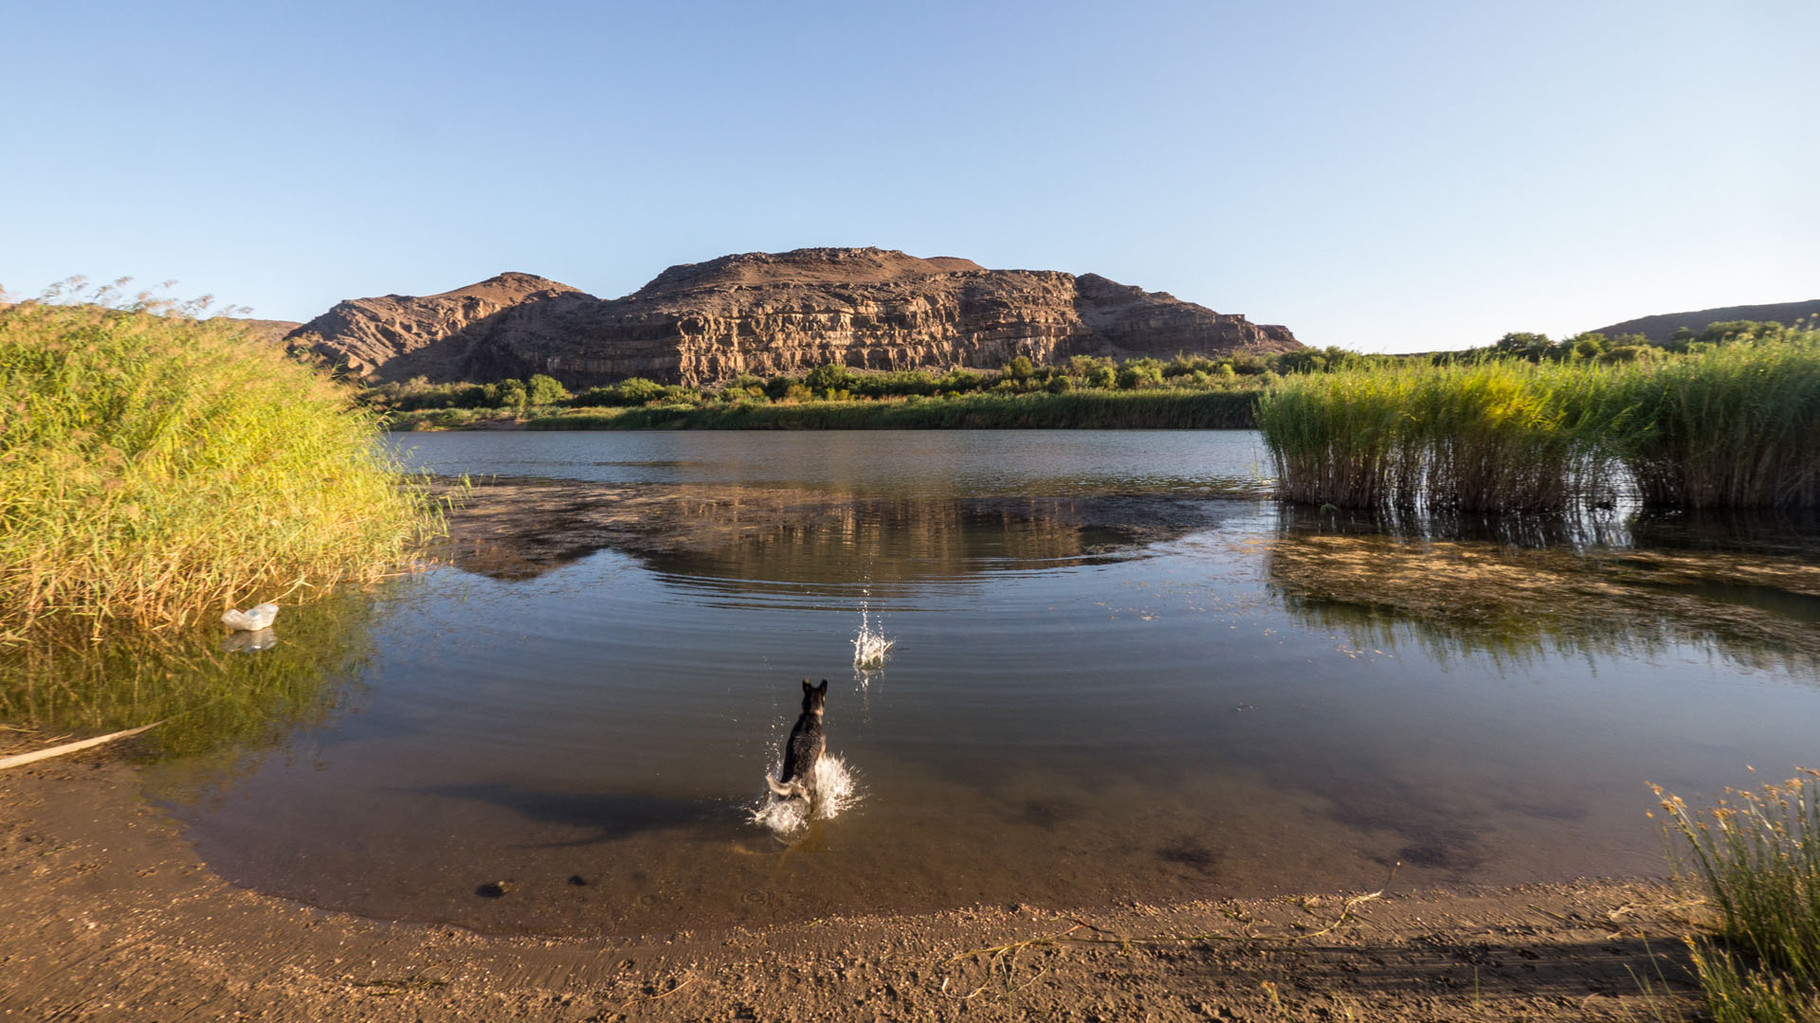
(107, 914)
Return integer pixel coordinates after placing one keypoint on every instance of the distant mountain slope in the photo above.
(267, 330)
(770, 313)
(1659, 328)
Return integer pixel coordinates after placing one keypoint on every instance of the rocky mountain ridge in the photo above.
(771, 313)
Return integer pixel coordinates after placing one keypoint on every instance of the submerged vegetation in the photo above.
(1521, 587)
(1733, 425)
(156, 469)
(1757, 857)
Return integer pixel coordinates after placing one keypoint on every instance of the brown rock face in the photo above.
(430, 335)
(766, 314)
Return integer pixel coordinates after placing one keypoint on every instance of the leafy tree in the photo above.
(1139, 373)
(512, 394)
(545, 390)
(829, 377)
(1589, 345)
(638, 391)
(1524, 345)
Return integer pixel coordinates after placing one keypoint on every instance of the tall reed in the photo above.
(1757, 854)
(156, 469)
(1735, 427)
(1485, 436)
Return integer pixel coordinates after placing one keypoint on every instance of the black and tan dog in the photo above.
(807, 744)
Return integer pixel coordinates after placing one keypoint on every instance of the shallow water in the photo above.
(1074, 711)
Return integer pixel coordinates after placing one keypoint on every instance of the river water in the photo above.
(1117, 674)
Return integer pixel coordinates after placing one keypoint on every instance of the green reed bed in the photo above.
(1160, 409)
(1493, 435)
(1757, 856)
(157, 469)
(1735, 427)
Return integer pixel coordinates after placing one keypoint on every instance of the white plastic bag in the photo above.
(260, 617)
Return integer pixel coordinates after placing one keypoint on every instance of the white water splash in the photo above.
(869, 648)
(835, 792)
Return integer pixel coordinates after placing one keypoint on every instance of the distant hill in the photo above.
(267, 330)
(1658, 328)
(772, 313)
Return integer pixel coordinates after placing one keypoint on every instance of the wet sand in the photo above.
(109, 915)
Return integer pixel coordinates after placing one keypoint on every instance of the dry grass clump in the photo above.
(1757, 854)
(156, 469)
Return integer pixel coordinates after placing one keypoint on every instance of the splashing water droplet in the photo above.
(835, 793)
(869, 648)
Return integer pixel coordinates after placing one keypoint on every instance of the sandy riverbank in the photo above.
(109, 915)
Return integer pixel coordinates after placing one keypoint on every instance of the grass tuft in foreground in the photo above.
(156, 469)
(1757, 854)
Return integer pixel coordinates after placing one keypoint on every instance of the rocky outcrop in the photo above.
(765, 314)
(401, 336)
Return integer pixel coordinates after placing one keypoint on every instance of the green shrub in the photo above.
(545, 390)
(511, 394)
(828, 377)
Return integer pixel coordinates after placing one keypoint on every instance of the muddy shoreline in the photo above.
(111, 916)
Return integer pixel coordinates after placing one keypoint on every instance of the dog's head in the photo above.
(815, 698)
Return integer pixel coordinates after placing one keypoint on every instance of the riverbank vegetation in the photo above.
(1727, 424)
(156, 469)
(1756, 858)
(1184, 393)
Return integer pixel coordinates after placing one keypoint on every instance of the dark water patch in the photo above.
(596, 817)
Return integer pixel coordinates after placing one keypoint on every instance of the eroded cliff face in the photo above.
(765, 314)
(401, 336)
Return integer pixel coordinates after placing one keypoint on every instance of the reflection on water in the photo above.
(1112, 680)
(1746, 589)
(517, 529)
(213, 690)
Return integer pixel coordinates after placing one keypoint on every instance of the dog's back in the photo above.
(808, 741)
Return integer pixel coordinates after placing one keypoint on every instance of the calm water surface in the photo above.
(1073, 712)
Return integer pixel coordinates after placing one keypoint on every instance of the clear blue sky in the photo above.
(1386, 176)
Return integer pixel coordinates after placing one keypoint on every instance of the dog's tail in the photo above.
(786, 790)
